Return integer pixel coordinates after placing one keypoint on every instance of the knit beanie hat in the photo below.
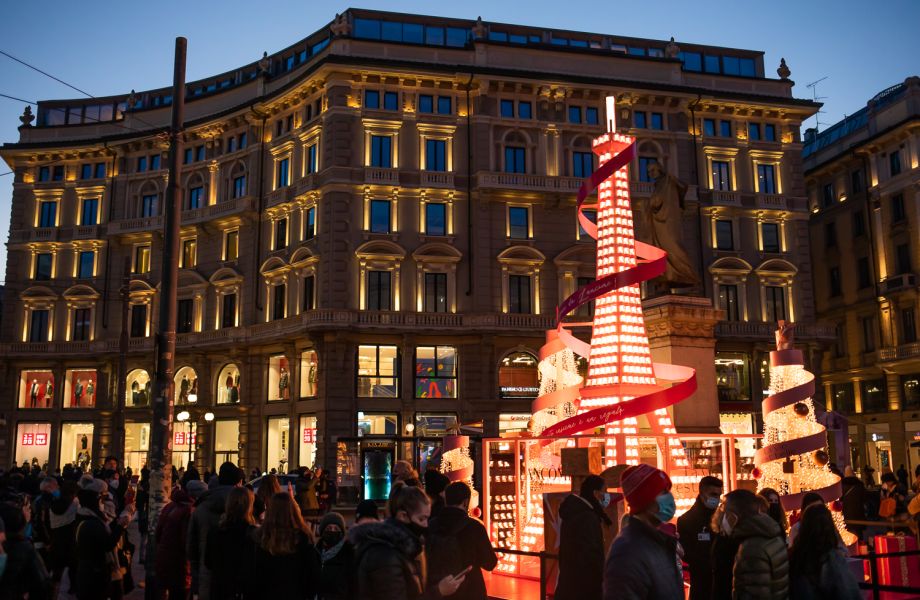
(332, 518)
(642, 484)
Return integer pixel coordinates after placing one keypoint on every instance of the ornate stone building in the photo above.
(377, 224)
(863, 185)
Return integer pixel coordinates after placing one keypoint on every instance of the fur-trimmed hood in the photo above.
(390, 532)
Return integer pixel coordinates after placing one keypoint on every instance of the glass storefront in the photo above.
(279, 378)
(76, 445)
(226, 442)
(435, 372)
(228, 385)
(309, 367)
(912, 438)
(185, 441)
(733, 377)
(307, 451)
(186, 386)
(518, 376)
(513, 422)
(137, 443)
(139, 388)
(36, 388)
(378, 424)
(378, 372)
(377, 460)
(33, 443)
(874, 396)
(80, 386)
(279, 441)
(436, 424)
(878, 448)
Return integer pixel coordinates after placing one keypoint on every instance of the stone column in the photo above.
(681, 330)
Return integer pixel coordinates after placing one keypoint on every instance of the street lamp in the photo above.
(208, 416)
(182, 417)
(192, 398)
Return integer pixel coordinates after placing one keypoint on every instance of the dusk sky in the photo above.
(107, 48)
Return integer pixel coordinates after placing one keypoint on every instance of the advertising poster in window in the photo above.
(80, 388)
(435, 372)
(36, 389)
(33, 441)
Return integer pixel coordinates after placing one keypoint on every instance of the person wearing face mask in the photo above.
(722, 561)
(389, 562)
(337, 557)
(581, 541)
(761, 568)
(98, 574)
(641, 563)
(775, 509)
(41, 517)
(693, 529)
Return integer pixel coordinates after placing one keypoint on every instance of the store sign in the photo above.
(35, 439)
(519, 391)
(181, 438)
(309, 435)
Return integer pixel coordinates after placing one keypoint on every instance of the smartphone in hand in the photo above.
(131, 493)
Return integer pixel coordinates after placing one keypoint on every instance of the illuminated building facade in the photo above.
(377, 225)
(863, 181)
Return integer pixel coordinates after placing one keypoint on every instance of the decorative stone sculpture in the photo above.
(340, 26)
(26, 117)
(479, 29)
(672, 50)
(783, 70)
(264, 63)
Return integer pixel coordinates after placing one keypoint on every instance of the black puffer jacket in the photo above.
(471, 548)
(762, 564)
(205, 519)
(386, 561)
(642, 565)
(581, 551)
(337, 573)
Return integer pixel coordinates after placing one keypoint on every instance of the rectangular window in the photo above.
(231, 145)
(199, 153)
(155, 162)
(426, 103)
(311, 159)
(57, 173)
(435, 372)
(371, 99)
(582, 164)
(379, 290)
(574, 114)
(138, 320)
(378, 372)
(281, 234)
(141, 164)
(242, 143)
(445, 105)
(728, 301)
(754, 132)
(194, 197)
(868, 333)
(709, 127)
(519, 294)
(38, 326)
(840, 343)
(515, 160)
(828, 195)
(43, 264)
(149, 205)
(640, 120)
(591, 115)
(898, 213)
(142, 259)
(435, 218)
(435, 159)
(189, 253)
(436, 292)
(86, 265)
(859, 224)
(693, 61)
(82, 324)
(769, 132)
(908, 326)
(239, 186)
(86, 171)
(185, 315)
(856, 182)
(863, 274)
(187, 156)
(507, 109)
(657, 121)
(228, 311)
(100, 169)
(894, 163)
(721, 175)
(766, 179)
(711, 63)
(310, 225)
(47, 214)
(381, 151)
(44, 174)
(380, 216)
(281, 178)
(524, 110)
(902, 258)
(518, 222)
(89, 211)
(833, 277)
(391, 101)
(830, 235)
(725, 129)
(776, 303)
(644, 163)
(231, 245)
(591, 215)
(770, 234)
(725, 239)
(279, 296)
(309, 292)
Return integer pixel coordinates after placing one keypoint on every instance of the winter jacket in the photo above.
(337, 572)
(581, 551)
(171, 537)
(696, 539)
(834, 581)
(290, 576)
(642, 565)
(205, 518)
(385, 561)
(724, 549)
(25, 572)
(95, 544)
(761, 569)
(472, 548)
(229, 557)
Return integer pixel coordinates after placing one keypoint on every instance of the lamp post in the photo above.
(183, 417)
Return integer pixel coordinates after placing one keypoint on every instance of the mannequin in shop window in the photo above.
(33, 394)
(49, 393)
(78, 393)
(90, 390)
(283, 382)
(183, 389)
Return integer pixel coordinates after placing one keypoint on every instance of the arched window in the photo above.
(518, 376)
(186, 383)
(139, 388)
(309, 369)
(228, 385)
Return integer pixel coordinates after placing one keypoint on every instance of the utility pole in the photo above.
(159, 456)
(122, 387)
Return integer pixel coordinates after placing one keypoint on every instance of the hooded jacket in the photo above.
(761, 569)
(385, 560)
(205, 518)
(642, 565)
(581, 551)
(172, 536)
(472, 549)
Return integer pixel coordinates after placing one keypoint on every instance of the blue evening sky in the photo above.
(108, 48)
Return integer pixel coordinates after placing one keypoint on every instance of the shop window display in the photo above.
(80, 388)
(36, 388)
(137, 443)
(307, 451)
(33, 441)
(186, 386)
(139, 388)
(279, 378)
(435, 372)
(279, 441)
(437, 424)
(309, 366)
(378, 424)
(518, 376)
(228, 385)
(77, 445)
(513, 422)
(378, 372)
(185, 442)
(226, 442)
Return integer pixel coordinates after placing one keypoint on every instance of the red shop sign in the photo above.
(41, 439)
(309, 436)
(28, 439)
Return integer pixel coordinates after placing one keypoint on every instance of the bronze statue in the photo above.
(662, 222)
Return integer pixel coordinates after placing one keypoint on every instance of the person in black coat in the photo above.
(337, 557)
(456, 541)
(286, 561)
(854, 501)
(95, 541)
(25, 572)
(230, 548)
(581, 542)
(693, 529)
(722, 559)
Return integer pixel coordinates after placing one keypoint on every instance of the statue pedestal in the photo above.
(681, 331)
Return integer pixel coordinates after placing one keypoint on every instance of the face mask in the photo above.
(726, 526)
(605, 500)
(331, 538)
(113, 484)
(666, 507)
(711, 502)
(416, 529)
